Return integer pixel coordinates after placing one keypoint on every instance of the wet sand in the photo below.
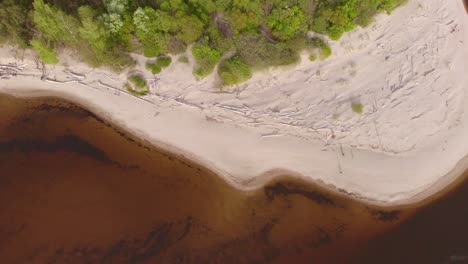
(76, 189)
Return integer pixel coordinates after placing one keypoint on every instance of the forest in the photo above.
(238, 35)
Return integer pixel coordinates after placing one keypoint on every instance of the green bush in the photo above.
(157, 66)
(318, 45)
(357, 108)
(325, 52)
(256, 51)
(164, 61)
(336, 17)
(287, 23)
(206, 58)
(233, 71)
(137, 85)
(45, 53)
(154, 68)
(138, 81)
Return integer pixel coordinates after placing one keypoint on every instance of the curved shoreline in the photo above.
(453, 179)
(246, 156)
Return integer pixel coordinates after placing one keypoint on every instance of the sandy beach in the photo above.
(408, 70)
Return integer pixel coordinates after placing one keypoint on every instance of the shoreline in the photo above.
(279, 175)
(379, 176)
(443, 186)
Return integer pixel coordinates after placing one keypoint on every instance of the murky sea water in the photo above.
(76, 189)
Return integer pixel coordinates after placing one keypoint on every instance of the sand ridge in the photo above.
(406, 69)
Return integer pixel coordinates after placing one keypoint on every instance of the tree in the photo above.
(233, 71)
(287, 23)
(14, 23)
(113, 19)
(45, 53)
(152, 29)
(206, 58)
(256, 51)
(55, 25)
(100, 48)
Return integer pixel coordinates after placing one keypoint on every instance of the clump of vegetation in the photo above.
(160, 64)
(137, 85)
(287, 23)
(206, 58)
(14, 22)
(233, 71)
(256, 51)
(337, 17)
(45, 53)
(153, 67)
(358, 108)
(319, 48)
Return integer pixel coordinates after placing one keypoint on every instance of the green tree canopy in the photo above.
(287, 23)
(54, 24)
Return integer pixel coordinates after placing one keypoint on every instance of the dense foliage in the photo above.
(233, 71)
(137, 85)
(158, 65)
(241, 34)
(334, 17)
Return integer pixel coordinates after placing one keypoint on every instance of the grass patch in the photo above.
(157, 66)
(233, 71)
(358, 108)
(136, 85)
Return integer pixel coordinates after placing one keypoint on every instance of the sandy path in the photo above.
(407, 69)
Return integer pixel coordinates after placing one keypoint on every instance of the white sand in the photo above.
(409, 70)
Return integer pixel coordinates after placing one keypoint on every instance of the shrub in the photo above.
(217, 41)
(164, 61)
(136, 85)
(45, 53)
(319, 45)
(256, 51)
(336, 17)
(233, 71)
(325, 52)
(357, 108)
(154, 68)
(206, 58)
(287, 23)
(138, 81)
(157, 66)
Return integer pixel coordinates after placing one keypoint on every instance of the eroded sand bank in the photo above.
(407, 69)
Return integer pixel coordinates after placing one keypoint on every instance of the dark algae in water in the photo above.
(75, 188)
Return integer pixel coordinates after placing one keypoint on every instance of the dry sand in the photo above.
(408, 70)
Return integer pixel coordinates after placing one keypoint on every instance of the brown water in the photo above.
(75, 189)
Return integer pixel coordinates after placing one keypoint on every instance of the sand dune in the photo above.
(408, 70)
